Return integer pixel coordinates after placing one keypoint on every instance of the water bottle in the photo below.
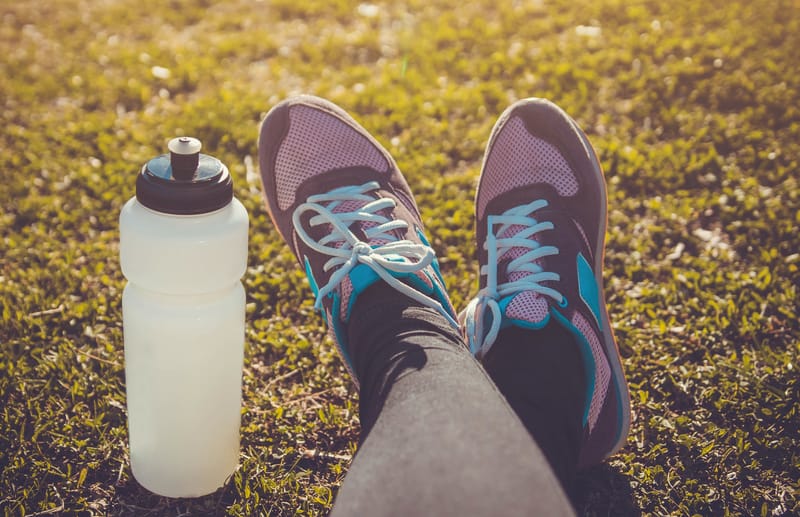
(183, 250)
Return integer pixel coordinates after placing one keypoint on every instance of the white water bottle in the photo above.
(183, 249)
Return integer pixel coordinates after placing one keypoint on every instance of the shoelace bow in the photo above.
(497, 246)
(347, 250)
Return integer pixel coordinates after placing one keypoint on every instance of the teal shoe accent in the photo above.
(310, 275)
(588, 360)
(435, 263)
(507, 322)
(361, 277)
(341, 336)
(421, 236)
(417, 283)
(314, 287)
(504, 303)
(435, 260)
(588, 289)
(526, 324)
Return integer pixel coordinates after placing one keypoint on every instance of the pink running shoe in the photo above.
(540, 225)
(339, 201)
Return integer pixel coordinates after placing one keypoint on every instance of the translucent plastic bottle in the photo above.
(183, 249)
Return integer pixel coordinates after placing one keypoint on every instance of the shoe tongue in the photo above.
(527, 306)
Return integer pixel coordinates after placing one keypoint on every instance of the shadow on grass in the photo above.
(602, 490)
(135, 500)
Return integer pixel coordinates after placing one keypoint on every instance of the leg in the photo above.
(546, 387)
(438, 437)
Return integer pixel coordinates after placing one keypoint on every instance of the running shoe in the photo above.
(342, 205)
(540, 213)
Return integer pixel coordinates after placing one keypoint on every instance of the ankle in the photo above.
(541, 374)
(381, 315)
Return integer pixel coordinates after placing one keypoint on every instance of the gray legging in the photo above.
(438, 436)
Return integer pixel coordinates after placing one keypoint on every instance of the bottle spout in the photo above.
(184, 181)
(184, 156)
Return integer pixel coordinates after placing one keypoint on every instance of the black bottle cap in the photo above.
(184, 181)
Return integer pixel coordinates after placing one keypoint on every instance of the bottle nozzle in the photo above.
(184, 156)
(184, 181)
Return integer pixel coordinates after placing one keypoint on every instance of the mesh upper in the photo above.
(517, 159)
(346, 290)
(527, 305)
(602, 368)
(318, 142)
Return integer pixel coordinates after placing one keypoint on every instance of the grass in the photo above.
(694, 109)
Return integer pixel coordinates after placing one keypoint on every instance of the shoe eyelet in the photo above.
(563, 303)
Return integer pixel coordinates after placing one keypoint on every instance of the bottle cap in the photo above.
(184, 181)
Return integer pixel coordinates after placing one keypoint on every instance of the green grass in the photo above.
(694, 109)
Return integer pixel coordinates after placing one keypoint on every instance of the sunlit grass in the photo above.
(694, 110)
